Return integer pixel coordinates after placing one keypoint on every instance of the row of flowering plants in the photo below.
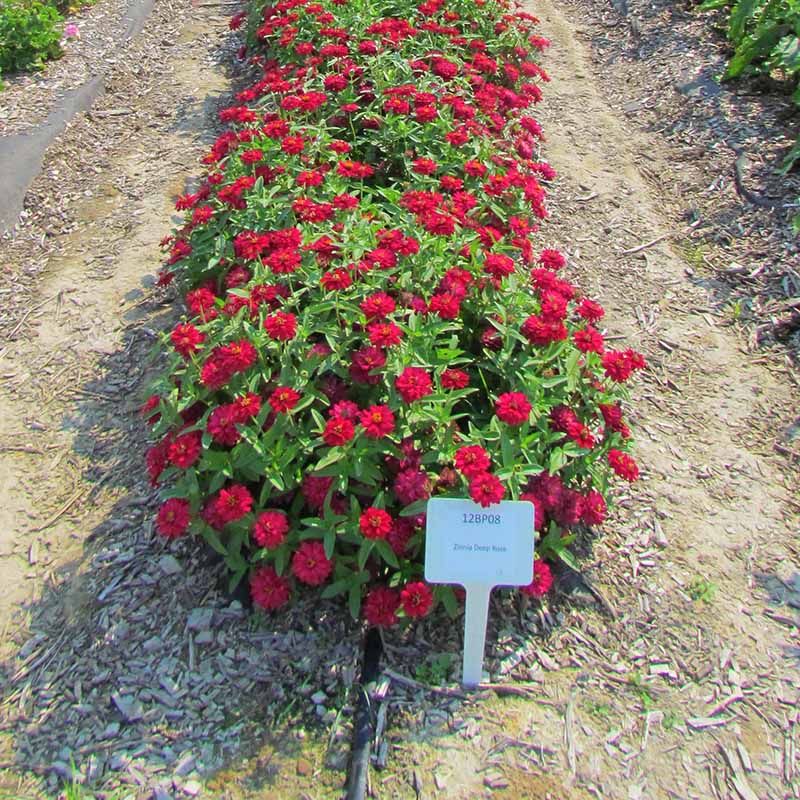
(372, 318)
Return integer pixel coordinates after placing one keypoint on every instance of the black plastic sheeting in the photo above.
(21, 155)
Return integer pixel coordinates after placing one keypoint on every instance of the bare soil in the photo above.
(669, 671)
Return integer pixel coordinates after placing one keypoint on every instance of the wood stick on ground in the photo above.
(645, 246)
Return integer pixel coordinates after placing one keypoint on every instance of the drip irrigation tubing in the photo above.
(364, 719)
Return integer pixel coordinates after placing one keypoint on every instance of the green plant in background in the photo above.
(30, 32)
(766, 38)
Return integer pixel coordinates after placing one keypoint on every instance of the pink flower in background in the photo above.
(71, 31)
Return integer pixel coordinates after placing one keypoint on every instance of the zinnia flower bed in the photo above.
(372, 316)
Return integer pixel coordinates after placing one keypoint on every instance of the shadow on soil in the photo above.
(783, 595)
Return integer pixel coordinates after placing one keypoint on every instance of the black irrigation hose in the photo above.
(363, 722)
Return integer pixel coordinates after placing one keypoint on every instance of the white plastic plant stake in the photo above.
(479, 548)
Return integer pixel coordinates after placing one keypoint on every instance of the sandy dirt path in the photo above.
(681, 682)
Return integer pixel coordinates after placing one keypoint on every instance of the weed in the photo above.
(702, 589)
(435, 673)
(637, 685)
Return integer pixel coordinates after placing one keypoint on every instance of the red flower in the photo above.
(222, 424)
(411, 485)
(590, 310)
(594, 508)
(413, 384)
(283, 399)
(375, 523)
(270, 529)
(552, 259)
(424, 166)
(513, 408)
(173, 518)
(186, 339)
(378, 306)
(486, 489)
(291, 145)
(233, 503)
(380, 606)
(384, 334)
(269, 590)
(310, 563)
(454, 379)
(619, 365)
(185, 450)
(281, 326)
(416, 599)
(354, 169)
(589, 340)
(336, 280)
(377, 421)
(498, 266)
(542, 580)
(364, 363)
(623, 465)
(338, 431)
(472, 461)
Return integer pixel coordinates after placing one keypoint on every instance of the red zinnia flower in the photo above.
(486, 489)
(173, 518)
(375, 523)
(377, 421)
(281, 326)
(186, 339)
(268, 589)
(513, 408)
(411, 485)
(377, 306)
(336, 280)
(380, 606)
(413, 384)
(291, 145)
(454, 379)
(552, 259)
(542, 580)
(338, 431)
(270, 529)
(283, 399)
(384, 334)
(416, 599)
(310, 564)
(472, 461)
(594, 508)
(590, 310)
(233, 503)
(185, 450)
(589, 340)
(222, 424)
(623, 465)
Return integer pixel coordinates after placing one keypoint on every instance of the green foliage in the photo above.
(29, 34)
(766, 38)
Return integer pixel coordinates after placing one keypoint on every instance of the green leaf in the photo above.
(354, 600)
(236, 578)
(210, 535)
(336, 588)
(415, 508)
(364, 551)
(557, 460)
(569, 559)
(386, 553)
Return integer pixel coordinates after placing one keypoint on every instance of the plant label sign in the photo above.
(479, 548)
